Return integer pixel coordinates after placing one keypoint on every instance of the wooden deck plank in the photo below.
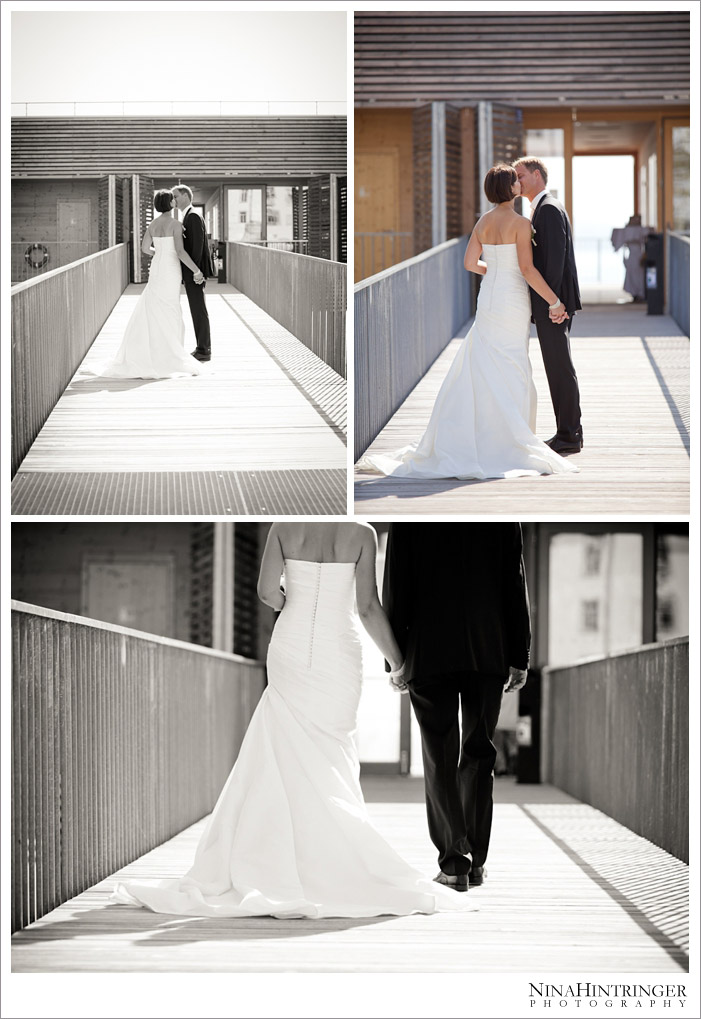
(249, 411)
(634, 380)
(568, 890)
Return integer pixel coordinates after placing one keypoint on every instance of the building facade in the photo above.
(82, 184)
(442, 96)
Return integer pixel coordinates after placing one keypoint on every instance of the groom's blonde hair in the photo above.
(533, 163)
(185, 188)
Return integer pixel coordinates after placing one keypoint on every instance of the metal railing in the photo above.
(183, 108)
(678, 277)
(305, 295)
(300, 246)
(616, 735)
(30, 260)
(380, 250)
(404, 317)
(120, 739)
(54, 321)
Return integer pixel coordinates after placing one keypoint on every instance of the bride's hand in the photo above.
(559, 314)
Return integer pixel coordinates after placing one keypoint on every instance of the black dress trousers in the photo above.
(458, 772)
(562, 379)
(200, 316)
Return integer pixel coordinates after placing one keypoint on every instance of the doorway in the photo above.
(603, 197)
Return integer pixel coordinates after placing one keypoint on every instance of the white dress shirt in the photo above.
(534, 202)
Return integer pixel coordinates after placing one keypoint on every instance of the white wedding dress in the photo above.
(154, 340)
(290, 835)
(483, 421)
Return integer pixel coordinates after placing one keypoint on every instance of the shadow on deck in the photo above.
(568, 890)
(261, 431)
(633, 373)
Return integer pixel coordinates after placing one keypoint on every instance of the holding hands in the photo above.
(517, 679)
(396, 679)
(198, 277)
(557, 312)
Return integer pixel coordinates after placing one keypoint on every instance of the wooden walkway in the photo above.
(568, 891)
(633, 373)
(262, 430)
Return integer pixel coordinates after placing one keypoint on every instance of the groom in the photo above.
(456, 599)
(195, 243)
(553, 256)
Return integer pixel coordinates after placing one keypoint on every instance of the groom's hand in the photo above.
(198, 277)
(517, 679)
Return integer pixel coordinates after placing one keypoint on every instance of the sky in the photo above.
(178, 55)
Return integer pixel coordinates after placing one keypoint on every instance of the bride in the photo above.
(290, 835)
(483, 421)
(154, 340)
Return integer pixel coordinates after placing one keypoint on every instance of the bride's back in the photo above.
(162, 226)
(322, 542)
(500, 226)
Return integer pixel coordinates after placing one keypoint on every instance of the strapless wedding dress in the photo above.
(154, 340)
(483, 421)
(290, 835)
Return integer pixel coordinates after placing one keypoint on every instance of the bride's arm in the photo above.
(533, 278)
(473, 262)
(180, 250)
(147, 245)
(271, 568)
(369, 609)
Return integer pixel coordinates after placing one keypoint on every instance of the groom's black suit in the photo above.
(195, 243)
(456, 598)
(553, 257)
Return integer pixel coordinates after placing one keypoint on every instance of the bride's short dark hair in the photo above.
(498, 183)
(163, 200)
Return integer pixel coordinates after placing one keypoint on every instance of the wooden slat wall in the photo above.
(305, 295)
(202, 584)
(119, 741)
(423, 179)
(401, 327)
(533, 58)
(189, 146)
(54, 320)
(617, 736)
(246, 604)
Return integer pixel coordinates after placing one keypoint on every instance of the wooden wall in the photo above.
(186, 146)
(34, 219)
(526, 58)
(47, 561)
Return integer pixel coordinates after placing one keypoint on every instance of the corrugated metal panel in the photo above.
(179, 146)
(528, 59)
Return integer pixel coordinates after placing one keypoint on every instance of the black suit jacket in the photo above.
(456, 598)
(195, 243)
(553, 256)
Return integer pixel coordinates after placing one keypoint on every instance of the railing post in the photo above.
(223, 594)
(485, 142)
(438, 182)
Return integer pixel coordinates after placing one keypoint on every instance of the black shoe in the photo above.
(563, 447)
(477, 876)
(201, 357)
(458, 882)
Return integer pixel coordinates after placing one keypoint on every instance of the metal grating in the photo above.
(192, 493)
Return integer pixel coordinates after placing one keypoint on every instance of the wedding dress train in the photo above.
(154, 340)
(290, 835)
(483, 421)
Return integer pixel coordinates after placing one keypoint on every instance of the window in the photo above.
(590, 616)
(592, 558)
(242, 217)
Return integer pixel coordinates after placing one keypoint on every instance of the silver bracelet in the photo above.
(557, 304)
